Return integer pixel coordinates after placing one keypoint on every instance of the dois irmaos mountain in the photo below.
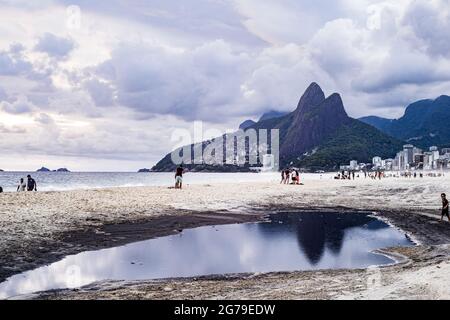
(318, 134)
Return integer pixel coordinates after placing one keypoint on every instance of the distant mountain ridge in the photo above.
(425, 123)
(246, 124)
(318, 134)
(271, 115)
(266, 116)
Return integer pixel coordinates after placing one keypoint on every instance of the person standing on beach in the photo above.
(22, 186)
(31, 184)
(179, 177)
(294, 177)
(287, 176)
(282, 176)
(297, 173)
(444, 207)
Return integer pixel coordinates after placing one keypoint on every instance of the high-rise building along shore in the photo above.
(410, 158)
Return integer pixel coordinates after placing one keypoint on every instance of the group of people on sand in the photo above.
(290, 176)
(351, 175)
(346, 175)
(28, 185)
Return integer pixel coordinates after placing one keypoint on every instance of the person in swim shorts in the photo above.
(179, 177)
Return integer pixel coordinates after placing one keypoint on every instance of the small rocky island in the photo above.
(44, 169)
(145, 170)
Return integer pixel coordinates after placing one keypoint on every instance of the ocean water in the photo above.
(61, 181)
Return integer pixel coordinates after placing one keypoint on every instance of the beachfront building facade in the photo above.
(377, 161)
(412, 158)
(355, 166)
(409, 158)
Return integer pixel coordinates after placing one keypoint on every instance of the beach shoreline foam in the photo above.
(43, 227)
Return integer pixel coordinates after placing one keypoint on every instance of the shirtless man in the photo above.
(31, 184)
(179, 178)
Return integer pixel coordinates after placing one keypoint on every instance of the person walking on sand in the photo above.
(444, 207)
(22, 186)
(282, 176)
(31, 184)
(179, 177)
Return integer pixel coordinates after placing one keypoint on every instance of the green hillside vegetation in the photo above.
(357, 141)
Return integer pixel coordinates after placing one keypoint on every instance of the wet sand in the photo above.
(41, 228)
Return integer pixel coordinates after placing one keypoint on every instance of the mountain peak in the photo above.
(313, 86)
(246, 124)
(335, 102)
(335, 98)
(443, 99)
(315, 118)
(313, 96)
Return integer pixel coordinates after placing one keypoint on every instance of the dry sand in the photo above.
(42, 227)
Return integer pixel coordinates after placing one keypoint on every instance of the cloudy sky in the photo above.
(101, 85)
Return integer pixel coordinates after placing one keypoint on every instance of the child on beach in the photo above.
(444, 207)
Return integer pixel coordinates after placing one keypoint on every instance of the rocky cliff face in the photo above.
(315, 119)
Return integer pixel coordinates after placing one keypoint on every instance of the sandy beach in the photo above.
(39, 228)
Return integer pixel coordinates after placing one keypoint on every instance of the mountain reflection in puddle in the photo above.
(289, 241)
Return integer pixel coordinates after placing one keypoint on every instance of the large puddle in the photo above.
(287, 242)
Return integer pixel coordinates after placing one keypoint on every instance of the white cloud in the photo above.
(153, 65)
(21, 105)
(13, 63)
(196, 83)
(101, 92)
(55, 46)
(3, 95)
(430, 22)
